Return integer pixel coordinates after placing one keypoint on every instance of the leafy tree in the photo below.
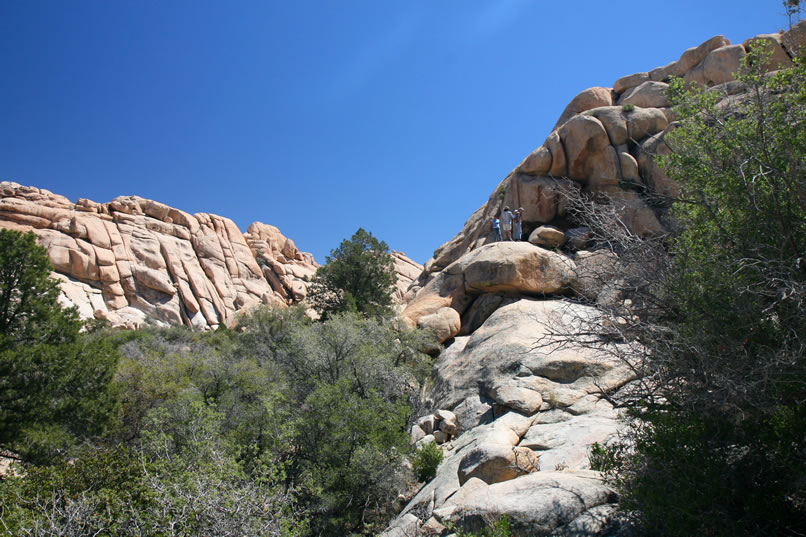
(717, 446)
(54, 382)
(358, 277)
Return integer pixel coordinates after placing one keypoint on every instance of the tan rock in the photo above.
(696, 76)
(513, 267)
(154, 279)
(519, 398)
(547, 237)
(630, 81)
(721, 64)
(481, 308)
(660, 185)
(594, 271)
(444, 324)
(537, 163)
(540, 197)
(772, 46)
(443, 290)
(659, 74)
(629, 168)
(591, 158)
(644, 122)
(636, 215)
(794, 39)
(650, 94)
(539, 503)
(559, 163)
(614, 120)
(695, 55)
(590, 98)
(494, 463)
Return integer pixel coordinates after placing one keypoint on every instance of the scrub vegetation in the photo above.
(279, 426)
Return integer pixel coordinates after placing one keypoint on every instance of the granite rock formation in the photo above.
(530, 398)
(134, 260)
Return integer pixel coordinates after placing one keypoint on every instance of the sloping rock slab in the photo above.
(536, 504)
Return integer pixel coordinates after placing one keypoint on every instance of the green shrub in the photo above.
(426, 460)
(499, 527)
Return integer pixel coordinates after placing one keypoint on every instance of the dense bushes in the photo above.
(717, 446)
(55, 383)
(281, 426)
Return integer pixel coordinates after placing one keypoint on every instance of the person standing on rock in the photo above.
(517, 223)
(496, 227)
(506, 224)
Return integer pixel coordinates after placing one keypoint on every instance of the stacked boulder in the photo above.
(133, 260)
(605, 143)
(530, 398)
(439, 427)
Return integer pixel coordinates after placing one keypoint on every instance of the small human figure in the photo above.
(506, 224)
(496, 227)
(517, 221)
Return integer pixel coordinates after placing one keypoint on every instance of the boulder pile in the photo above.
(133, 260)
(530, 398)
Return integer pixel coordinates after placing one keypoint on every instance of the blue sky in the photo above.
(318, 116)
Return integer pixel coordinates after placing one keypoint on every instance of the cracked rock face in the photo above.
(529, 400)
(600, 137)
(529, 403)
(133, 259)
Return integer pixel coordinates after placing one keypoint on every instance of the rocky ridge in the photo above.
(134, 260)
(529, 400)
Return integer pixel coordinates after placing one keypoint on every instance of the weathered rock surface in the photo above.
(133, 259)
(528, 404)
(529, 398)
(602, 146)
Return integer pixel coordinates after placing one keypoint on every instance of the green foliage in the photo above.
(359, 276)
(498, 527)
(181, 481)
(627, 108)
(718, 448)
(426, 461)
(291, 420)
(603, 459)
(54, 381)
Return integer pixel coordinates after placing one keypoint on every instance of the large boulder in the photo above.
(722, 64)
(517, 267)
(444, 324)
(494, 463)
(794, 39)
(772, 47)
(536, 504)
(650, 94)
(591, 158)
(590, 98)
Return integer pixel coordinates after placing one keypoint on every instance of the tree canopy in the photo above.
(358, 276)
(54, 382)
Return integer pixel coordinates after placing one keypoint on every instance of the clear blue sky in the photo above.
(318, 117)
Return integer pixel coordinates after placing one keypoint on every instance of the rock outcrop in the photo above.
(133, 260)
(603, 144)
(529, 398)
(528, 403)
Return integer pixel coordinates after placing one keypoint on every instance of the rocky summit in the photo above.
(528, 401)
(133, 260)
